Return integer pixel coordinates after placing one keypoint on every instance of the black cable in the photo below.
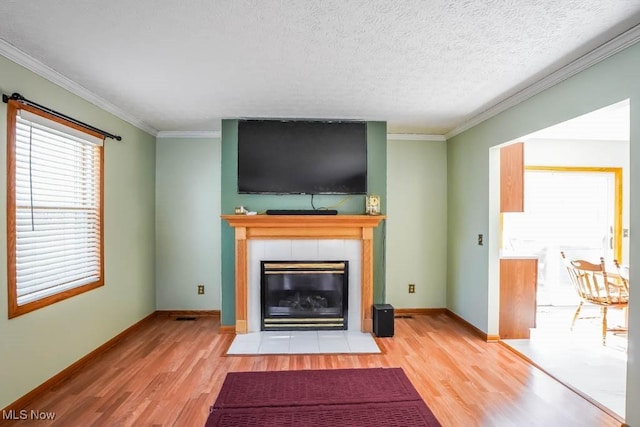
(17, 97)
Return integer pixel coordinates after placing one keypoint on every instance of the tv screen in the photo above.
(302, 157)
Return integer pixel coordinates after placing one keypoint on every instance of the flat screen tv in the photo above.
(302, 157)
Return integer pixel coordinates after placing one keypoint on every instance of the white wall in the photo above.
(36, 346)
(416, 244)
(559, 152)
(187, 223)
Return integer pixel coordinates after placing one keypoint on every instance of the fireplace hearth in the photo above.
(304, 295)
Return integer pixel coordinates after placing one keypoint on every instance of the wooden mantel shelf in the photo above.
(304, 226)
(358, 227)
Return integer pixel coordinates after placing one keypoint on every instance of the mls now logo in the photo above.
(24, 414)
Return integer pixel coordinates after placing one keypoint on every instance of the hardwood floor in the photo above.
(169, 372)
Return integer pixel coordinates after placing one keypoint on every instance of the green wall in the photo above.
(377, 184)
(417, 223)
(471, 278)
(187, 223)
(36, 346)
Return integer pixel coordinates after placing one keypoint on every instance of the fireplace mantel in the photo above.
(357, 227)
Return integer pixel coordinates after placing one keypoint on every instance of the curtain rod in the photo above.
(22, 99)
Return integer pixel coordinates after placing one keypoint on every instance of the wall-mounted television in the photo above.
(302, 157)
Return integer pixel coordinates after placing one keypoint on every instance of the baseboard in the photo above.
(61, 376)
(469, 326)
(188, 313)
(419, 311)
(224, 329)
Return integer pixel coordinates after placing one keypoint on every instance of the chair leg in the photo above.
(575, 316)
(604, 325)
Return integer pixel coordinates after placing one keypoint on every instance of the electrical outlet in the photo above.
(412, 288)
(200, 289)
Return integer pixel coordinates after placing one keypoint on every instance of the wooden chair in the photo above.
(595, 285)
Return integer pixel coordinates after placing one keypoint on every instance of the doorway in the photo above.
(576, 200)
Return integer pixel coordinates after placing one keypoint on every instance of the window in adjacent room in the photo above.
(577, 210)
(54, 209)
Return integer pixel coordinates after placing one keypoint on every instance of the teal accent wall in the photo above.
(376, 181)
(36, 346)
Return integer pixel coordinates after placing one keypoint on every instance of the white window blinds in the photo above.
(57, 208)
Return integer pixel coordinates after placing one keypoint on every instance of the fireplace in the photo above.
(260, 231)
(304, 295)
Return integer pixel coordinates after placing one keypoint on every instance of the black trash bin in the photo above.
(383, 320)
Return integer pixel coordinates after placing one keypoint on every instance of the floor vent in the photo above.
(185, 318)
(403, 316)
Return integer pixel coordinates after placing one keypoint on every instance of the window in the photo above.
(54, 209)
(577, 210)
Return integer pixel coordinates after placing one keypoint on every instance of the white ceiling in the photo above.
(423, 66)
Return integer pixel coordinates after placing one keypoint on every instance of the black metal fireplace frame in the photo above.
(298, 322)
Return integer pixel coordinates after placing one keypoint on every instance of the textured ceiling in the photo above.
(422, 66)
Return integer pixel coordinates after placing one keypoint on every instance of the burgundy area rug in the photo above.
(335, 397)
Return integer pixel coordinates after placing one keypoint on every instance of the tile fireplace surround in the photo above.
(300, 227)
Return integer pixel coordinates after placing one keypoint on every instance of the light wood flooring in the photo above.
(168, 373)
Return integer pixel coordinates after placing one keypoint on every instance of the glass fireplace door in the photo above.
(304, 295)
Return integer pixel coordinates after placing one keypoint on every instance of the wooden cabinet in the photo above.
(518, 285)
(512, 178)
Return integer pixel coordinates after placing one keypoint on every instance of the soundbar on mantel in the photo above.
(301, 212)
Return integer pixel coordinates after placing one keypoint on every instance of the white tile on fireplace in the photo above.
(277, 343)
(363, 347)
(250, 337)
(305, 250)
(272, 335)
(355, 267)
(360, 342)
(256, 250)
(330, 249)
(355, 294)
(244, 348)
(303, 333)
(282, 250)
(277, 250)
(305, 342)
(333, 343)
(352, 246)
(245, 344)
(330, 334)
(256, 254)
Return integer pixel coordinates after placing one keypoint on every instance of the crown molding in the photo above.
(19, 57)
(218, 134)
(597, 55)
(604, 51)
(415, 137)
(189, 134)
